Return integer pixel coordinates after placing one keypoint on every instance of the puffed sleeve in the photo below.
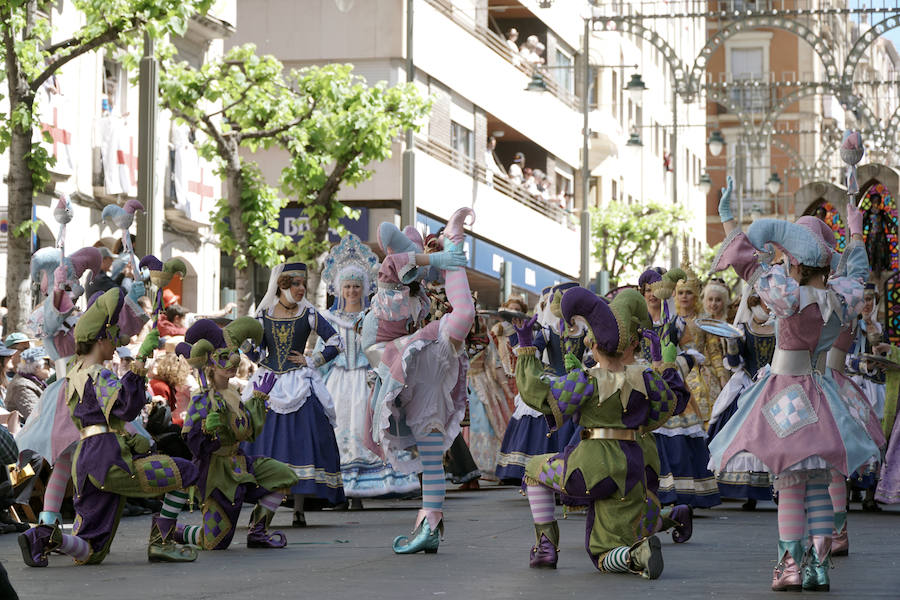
(200, 443)
(667, 393)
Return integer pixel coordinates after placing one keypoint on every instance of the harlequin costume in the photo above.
(420, 397)
(216, 424)
(791, 421)
(364, 473)
(745, 356)
(109, 464)
(684, 477)
(608, 467)
(299, 429)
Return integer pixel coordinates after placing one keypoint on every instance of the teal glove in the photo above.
(669, 350)
(448, 260)
(725, 201)
(150, 343)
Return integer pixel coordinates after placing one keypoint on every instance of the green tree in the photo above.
(329, 122)
(30, 59)
(629, 236)
(353, 129)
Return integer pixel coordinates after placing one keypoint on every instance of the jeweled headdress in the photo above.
(350, 260)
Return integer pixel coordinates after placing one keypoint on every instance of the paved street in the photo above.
(484, 555)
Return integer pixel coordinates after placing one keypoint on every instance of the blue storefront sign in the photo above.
(292, 223)
(488, 258)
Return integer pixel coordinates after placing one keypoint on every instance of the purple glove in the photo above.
(854, 219)
(526, 337)
(265, 384)
(655, 346)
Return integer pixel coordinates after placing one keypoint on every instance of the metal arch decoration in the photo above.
(859, 48)
(629, 25)
(794, 156)
(784, 102)
(820, 169)
(890, 130)
(815, 40)
(721, 97)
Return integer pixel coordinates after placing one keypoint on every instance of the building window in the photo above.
(615, 190)
(115, 86)
(462, 141)
(747, 65)
(564, 71)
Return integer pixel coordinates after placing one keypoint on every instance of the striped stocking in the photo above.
(616, 560)
(819, 510)
(791, 513)
(271, 501)
(837, 489)
(56, 485)
(173, 503)
(434, 485)
(193, 534)
(542, 503)
(460, 319)
(75, 547)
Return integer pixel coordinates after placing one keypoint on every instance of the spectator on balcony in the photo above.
(492, 165)
(529, 183)
(531, 51)
(512, 37)
(516, 174)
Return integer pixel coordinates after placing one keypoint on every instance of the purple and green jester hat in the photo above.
(110, 315)
(160, 274)
(214, 345)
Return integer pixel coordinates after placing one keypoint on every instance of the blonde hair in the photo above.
(245, 369)
(172, 369)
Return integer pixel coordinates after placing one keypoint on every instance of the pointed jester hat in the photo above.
(614, 326)
(808, 241)
(213, 344)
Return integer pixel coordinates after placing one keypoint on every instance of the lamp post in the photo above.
(408, 198)
(774, 186)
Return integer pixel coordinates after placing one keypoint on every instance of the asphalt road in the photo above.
(484, 555)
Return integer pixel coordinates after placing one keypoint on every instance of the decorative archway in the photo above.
(859, 48)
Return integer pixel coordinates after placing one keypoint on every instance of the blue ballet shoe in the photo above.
(422, 538)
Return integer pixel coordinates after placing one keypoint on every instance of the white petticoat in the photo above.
(292, 390)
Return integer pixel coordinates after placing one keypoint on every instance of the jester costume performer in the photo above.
(350, 272)
(888, 490)
(110, 464)
(617, 403)
(216, 424)
(792, 422)
(420, 396)
(683, 456)
(745, 356)
(299, 430)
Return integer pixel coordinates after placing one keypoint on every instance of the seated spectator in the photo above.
(24, 392)
(126, 358)
(16, 341)
(5, 355)
(516, 174)
(528, 182)
(531, 51)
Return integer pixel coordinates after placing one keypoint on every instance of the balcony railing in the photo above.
(503, 185)
(498, 45)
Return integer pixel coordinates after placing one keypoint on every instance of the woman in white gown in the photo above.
(350, 273)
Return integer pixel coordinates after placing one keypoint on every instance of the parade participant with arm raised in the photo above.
(790, 423)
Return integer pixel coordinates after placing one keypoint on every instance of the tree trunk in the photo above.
(243, 277)
(315, 287)
(18, 258)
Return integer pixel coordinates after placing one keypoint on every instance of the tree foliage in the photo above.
(331, 124)
(352, 127)
(629, 236)
(30, 58)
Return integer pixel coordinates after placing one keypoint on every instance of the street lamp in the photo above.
(344, 5)
(635, 87)
(705, 182)
(716, 143)
(537, 83)
(634, 140)
(774, 183)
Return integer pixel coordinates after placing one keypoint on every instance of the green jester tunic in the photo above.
(620, 409)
